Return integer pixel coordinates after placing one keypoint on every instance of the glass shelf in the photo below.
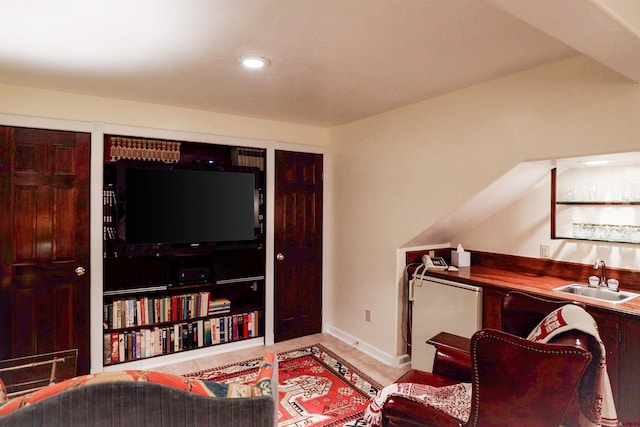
(583, 203)
(596, 204)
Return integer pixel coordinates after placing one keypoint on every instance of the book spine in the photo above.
(208, 338)
(215, 330)
(121, 352)
(200, 333)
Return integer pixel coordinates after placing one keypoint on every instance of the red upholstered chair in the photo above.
(514, 381)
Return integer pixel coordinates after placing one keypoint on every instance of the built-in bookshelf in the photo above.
(165, 319)
(161, 299)
(149, 310)
(140, 341)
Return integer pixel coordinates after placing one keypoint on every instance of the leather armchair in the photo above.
(514, 381)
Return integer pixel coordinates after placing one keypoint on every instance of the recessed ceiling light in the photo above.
(255, 62)
(594, 162)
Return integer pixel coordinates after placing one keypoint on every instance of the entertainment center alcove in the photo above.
(183, 246)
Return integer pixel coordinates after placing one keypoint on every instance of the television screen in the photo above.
(189, 206)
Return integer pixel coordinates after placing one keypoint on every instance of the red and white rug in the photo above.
(316, 387)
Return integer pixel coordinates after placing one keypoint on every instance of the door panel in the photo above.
(24, 229)
(298, 245)
(44, 237)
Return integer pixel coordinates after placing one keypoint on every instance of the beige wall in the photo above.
(398, 173)
(392, 176)
(507, 232)
(60, 105)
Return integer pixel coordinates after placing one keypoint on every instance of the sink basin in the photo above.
(602, 294)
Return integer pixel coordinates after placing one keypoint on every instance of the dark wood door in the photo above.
(44, 240)
(298, 245)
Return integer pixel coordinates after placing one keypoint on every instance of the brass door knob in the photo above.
(80, 271)
(280, 257)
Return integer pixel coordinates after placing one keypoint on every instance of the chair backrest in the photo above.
(521, 312)
(519, 382)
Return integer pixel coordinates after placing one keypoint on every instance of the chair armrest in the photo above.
(454, 342)
(452, 358)
(400, 411)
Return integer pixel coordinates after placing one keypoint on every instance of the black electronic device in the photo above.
(189, 207)
(194, 274)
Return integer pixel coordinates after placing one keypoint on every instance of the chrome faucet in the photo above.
(603, 275)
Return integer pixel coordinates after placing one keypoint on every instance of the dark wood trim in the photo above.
(454, 342)
(415, 256)
(536, 267)
(553, 203)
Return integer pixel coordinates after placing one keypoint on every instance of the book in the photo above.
(174, 309)
(115, 347)
(144, 338)
(190, 335)
(222, 329)
(250, 325)
(215, 331)
(165, 341)
(239, 326)
(219, 306)
(176, 337)
(106, 348)
(121, 352)
(200, 337)
(208, 339)
(129, 345)
(138, 319)
(246, 326)
(185, 336)
(157, 337)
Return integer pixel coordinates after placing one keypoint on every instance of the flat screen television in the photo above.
(188, 206)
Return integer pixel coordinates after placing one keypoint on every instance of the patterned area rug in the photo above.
(316, 387)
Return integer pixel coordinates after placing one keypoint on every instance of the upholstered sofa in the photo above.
(147, 398)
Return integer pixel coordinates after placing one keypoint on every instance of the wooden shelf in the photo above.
(161, 339)
(595, 203)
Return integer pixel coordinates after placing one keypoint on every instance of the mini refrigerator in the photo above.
(441, 305)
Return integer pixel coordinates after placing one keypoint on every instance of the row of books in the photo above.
(255, 157)
(109, 215)
(219, 305)
(109, 206)
(126, 346)
(126, 313)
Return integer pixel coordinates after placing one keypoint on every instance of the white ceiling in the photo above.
(332, 61)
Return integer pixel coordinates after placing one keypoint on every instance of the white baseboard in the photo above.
(403, 361)
(364, 347)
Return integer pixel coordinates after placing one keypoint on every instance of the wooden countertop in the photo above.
(533, 283)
